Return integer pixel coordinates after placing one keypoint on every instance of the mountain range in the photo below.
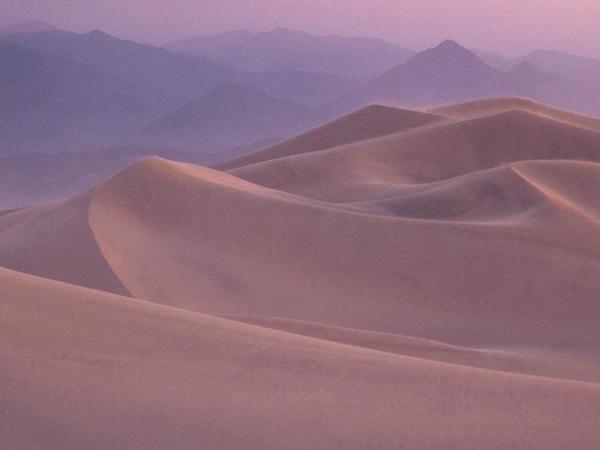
(232, 115)
(130, 61)
(283, 50)
(49, 101)
(65, 91)
(446, 73)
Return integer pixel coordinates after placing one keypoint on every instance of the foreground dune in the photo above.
(84, 369)
(426, 281)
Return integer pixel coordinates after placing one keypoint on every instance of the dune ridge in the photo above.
(428, 280)
(153, 377)
(503, 104)
(368, 122)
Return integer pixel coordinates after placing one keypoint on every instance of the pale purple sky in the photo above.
(510, 26)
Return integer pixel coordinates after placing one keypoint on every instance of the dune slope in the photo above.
(480, 108)
(366, 123)
(420, 282)
(84, 369)
(427, 155)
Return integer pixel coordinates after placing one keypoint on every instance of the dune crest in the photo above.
(502, 104)
(392, 279)
(366, 123)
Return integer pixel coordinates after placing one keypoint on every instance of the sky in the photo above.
(512, 27)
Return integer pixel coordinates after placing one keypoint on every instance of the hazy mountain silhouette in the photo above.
(231, 115)
(137, 63)
(575, 67)
(496, 60)
(313, 89)
(63, 90)
(578, 68)
(450, 73)
(97, 64)
(284, 50)
(563, 79)
(44, 177)
(186, 76)
(446, 73)
(50, 102)
(531, 75)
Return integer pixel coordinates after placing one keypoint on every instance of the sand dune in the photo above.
(33, 179)
(561, 365)
(368, 122)
(91, 370)
(243, 249)
(480, 108)
(393, 279)
(353, 172)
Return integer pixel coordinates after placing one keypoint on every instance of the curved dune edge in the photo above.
(367, 123)
(445, 151)
(492, 106)
(430, 287)
(229, 247)
(56, 242)
(140, 361)
(516, 361)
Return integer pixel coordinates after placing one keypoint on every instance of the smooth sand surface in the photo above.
(366, 123)
(429, 284)
(479, 108)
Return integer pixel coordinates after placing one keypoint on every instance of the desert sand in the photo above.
(393, 279)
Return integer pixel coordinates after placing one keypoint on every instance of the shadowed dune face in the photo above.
(367, 123)
(392, 279)
(383, 165)
(56, 242)
(423, 268)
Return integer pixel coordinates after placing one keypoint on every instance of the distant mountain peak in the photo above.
(449, 44)
(452, 48)
(231, 115)
(99, 34)
(448, 52)
(443, 74)
(526, 71)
